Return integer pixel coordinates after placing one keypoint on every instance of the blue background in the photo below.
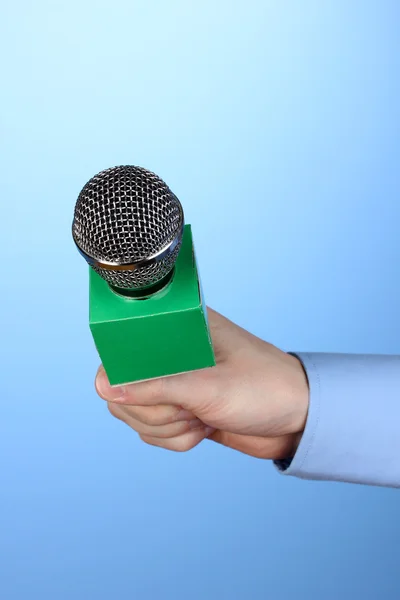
(277, 124)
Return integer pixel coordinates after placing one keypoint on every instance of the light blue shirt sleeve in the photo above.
(352, 432)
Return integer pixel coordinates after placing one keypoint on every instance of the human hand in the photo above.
(254, 400)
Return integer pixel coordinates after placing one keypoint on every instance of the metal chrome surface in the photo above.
(128, 225)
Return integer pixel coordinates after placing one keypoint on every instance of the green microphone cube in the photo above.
(164, 334)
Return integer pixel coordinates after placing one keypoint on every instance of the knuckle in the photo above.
(150, 419)
(158, 416)
(171, 431)
(147, 439)
(153, 416)
(145, 415)
(167, 414)
(113, 409)
(174, 413)
(182, 444)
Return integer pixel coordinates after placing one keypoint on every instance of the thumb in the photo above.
(189, 390)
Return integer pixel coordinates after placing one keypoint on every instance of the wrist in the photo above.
(299, 394)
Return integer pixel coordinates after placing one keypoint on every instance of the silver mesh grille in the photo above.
(125, 215)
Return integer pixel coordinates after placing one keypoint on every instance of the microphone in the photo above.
(128, 225)
(146, 308)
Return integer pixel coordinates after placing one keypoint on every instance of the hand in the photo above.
(254, 400)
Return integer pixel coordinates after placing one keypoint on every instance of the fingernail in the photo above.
(195, 424)
(104, 389)
(209, 430)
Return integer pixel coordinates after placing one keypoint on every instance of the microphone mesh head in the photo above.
(126, 215)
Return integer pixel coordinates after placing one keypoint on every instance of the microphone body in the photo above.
(147, 313)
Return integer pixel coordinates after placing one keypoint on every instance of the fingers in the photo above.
(143, 425)
(179, 436)
(158, 426)
(181, 443)
(159, 415)
(165, 425)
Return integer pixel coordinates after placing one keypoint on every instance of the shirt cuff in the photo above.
(352, 432)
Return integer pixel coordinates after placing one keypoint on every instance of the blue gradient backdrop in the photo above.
(277, 124)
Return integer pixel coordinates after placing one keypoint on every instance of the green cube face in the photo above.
(165, 334)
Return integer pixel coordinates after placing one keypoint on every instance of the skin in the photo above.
(255, 400)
